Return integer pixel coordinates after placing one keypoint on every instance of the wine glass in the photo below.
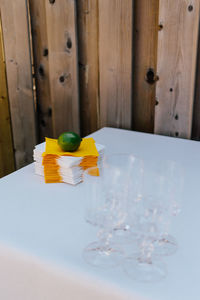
(108, 190)
(167, 178)
(132, 168)
(173, 182)
(158, 193)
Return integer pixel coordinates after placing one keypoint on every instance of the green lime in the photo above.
(69, 141)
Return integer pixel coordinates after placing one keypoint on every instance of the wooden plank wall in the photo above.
(18, 65)
(145, 63)
(105, 75)
(56, 65)
(63, 67)
(6, 146)
(196, 110)
(88, 34)
(115, 62)
(177, 52)
(41, 68)
(121, 63)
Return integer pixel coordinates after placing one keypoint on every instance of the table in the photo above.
(43, 232)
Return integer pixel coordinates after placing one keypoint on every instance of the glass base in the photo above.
(166, 245)
(123, 235)
(100, 255)
(145, 271)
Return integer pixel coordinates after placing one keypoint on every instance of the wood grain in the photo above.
(115, 62)
(19, 77)
(87, 17)
(177, 51)
(7, 164)
(145, 58)
(63, 65)
(196, 110)
(41, 67)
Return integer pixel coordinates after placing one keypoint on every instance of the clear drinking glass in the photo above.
(132, 169)
(108, 196)
(103, 196)
(171, 189)
(159, 194)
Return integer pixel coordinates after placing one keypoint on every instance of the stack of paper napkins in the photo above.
(58, 166)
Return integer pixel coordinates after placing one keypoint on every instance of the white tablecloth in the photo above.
(43, 233)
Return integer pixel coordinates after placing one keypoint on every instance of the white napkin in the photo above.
(69, 165)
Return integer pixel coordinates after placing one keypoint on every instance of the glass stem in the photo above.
(104, 236)
(146, 250)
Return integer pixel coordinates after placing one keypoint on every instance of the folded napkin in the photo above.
(65, 168)
(87, 148)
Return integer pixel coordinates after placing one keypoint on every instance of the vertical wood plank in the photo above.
(196, 110)
(177, 50)
(63, 65)
(115, 52)
(87, 18)
(41, 66)
(145, 59)
(6, 147)
(19, 78)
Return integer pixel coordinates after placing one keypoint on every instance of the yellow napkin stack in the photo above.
(86, 149)
(52, 152)
(59, 166)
